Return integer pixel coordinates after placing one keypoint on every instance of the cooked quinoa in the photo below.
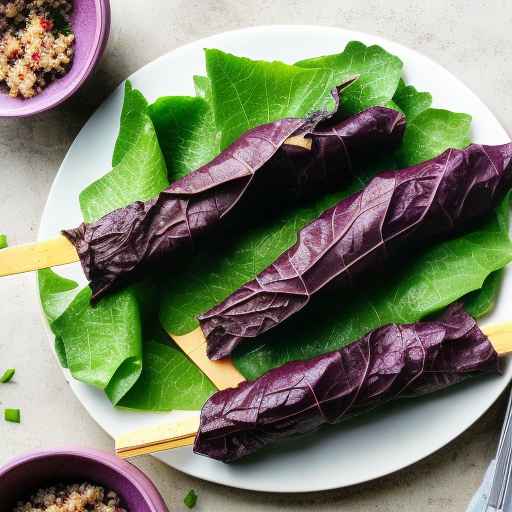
(36, 44)
(71, 498)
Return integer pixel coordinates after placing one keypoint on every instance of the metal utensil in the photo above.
(500, 497)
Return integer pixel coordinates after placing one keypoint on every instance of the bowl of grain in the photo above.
(73, 480)
(48, 48)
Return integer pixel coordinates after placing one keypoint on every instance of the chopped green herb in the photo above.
(12, 415)
(190, 499)
(60, 23)
(3, 241)
(8, 375)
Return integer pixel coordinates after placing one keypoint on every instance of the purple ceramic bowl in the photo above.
(91, 24)
(32, 471)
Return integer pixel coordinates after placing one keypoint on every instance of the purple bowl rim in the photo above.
(136, 477)
(100, 41)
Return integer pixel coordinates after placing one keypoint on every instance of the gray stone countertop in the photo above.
(472, 39)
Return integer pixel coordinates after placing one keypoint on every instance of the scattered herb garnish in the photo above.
(3, 241)
(12, 415)
(190, 499)
(8, 375)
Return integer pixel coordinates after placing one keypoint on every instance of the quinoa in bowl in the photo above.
(36, 44)
(83, 497)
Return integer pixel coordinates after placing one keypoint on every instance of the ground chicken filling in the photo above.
(36, 44)
(72, 498)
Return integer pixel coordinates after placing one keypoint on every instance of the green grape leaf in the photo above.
(431, 132)
(88, 334)
(56, 293)
(169, 380)
(248, 93)
(410, 101)
(186, 132)
(132, 122)
(140, 175)
(379, 73)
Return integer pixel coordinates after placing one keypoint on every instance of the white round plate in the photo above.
(354, 452)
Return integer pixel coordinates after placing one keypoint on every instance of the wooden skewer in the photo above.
(29, 257)
(182, 433)
(164, 436)
(223, 373)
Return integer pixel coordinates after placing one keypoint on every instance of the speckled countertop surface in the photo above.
(471, 39)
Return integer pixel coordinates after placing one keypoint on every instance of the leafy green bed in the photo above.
(119, 345)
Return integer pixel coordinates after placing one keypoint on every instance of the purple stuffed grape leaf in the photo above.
(361, 235)
(386, 364)
(435, 278)
(211, 276)
(260, 164)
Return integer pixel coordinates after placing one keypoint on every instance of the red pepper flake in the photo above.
(21, 76)
(36, 56)
(46, 24)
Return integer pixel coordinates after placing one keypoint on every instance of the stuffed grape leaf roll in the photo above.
(394, 212)
(393, 361)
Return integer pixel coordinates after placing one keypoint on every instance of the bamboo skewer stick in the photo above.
(164, 436)
(29, 257)
(223, 373)
(182, 433)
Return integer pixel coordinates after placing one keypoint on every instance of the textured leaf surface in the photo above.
(186, 132)
(388, 363)
(410, 101)
(247, 93)
(431, 132)
(169, 380)
(396, 211)
(88, 334)
(433, 279)
(203, 87)
(132, 122)
(106, 344)
(378, 70)
(140, 175)
(56, 293)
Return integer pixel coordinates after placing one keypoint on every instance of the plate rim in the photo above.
(350, 34)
